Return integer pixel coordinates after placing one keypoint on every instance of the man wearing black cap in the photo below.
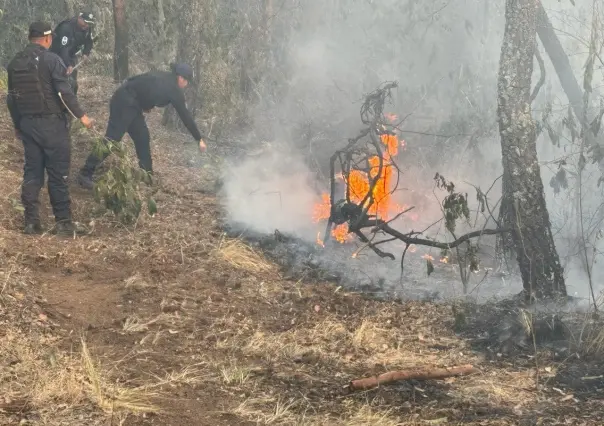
(71, 36)
(38, 96)
(140, 94)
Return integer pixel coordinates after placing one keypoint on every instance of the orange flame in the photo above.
(359, 184)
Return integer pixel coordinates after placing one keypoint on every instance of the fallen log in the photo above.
(415, 374)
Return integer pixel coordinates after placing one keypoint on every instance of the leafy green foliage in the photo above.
(120, 189)
(455, 205)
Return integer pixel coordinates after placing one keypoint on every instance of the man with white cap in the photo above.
(71, 36)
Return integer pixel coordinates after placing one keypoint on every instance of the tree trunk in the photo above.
(159, 53)
(189, 48)
(70, 7)
(523, 188)
(120, 53)
(560, 61)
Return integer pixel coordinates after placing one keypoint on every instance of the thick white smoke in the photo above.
(444, 54)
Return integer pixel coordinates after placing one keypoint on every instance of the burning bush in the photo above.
(370, 175)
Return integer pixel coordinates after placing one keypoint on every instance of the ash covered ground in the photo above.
(376, 276)
(271, 201)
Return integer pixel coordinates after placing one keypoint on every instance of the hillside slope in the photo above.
(171, 323)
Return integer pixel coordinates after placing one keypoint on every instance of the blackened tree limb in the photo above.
(372, 246)
(560, 61)
(541, 81)
(408, 239)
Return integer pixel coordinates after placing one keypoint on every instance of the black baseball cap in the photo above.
(183, 70)
(88, 17)
(40, 29)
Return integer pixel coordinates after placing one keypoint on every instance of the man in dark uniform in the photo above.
(140, 94)
(71, 36)
(38, 95)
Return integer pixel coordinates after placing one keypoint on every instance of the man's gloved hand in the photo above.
(202, 145)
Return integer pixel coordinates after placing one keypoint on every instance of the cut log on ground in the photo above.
(415, 374)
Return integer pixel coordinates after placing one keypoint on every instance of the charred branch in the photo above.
(560, 61)
(366, 154)
(406, 238)
(541, 81)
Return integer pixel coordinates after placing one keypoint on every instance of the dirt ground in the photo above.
(172, 323)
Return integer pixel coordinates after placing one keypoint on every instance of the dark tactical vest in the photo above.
(26, 76)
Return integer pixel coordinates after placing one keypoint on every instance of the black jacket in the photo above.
(69, 39)
(159, 89)
(53, 78)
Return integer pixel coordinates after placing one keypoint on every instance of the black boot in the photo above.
(85, 181)
(32, 228)
(67, 228)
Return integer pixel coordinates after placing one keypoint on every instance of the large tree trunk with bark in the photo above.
(523, 196)
(120, 54)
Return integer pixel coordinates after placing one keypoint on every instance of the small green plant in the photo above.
(455, 205)
(120, 189)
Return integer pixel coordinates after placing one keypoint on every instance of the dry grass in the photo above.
(268, 411)
(238, 254)
(590, 340)
(369, 343)
(235, 374)
(137, 282)
(52, 381)
(370, 335)
(595, 343)
(114, 397)
(38, 372)
(328, 339)
(366, 416)
(134, 324)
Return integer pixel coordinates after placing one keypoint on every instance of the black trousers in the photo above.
(47, 148)
(125, 115)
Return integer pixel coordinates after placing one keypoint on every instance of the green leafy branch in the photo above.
(455, 205)
(119, 190)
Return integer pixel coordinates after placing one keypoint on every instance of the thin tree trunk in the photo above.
(170, 118)
(120, 54)
(560, 61)
(523, 188)
(188, 50)
(70, 7)
(159, 53)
